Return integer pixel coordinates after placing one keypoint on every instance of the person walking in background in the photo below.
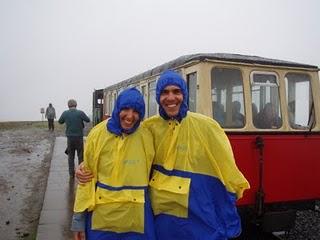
(50, 115)
(74, 120)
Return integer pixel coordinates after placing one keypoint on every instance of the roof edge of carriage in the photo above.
(212, 56)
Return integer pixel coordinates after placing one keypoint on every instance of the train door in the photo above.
(98, 100)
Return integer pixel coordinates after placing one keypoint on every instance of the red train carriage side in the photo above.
(289, 164)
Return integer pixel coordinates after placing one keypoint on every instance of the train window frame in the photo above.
(143, 88)
(192, 93)
(264, 84)
(152, 99)
(311, 111)
(226, 111)
(109, 97)
(258, 120)
(114, 99)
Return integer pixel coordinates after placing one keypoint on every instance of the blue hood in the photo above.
(167, 78)
(129, 98)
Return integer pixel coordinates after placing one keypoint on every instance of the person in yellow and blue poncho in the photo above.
(115, 204)
(195, 182)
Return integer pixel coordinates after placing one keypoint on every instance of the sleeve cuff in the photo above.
(78, 222)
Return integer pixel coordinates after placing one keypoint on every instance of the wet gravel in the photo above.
(24, 163)
(307, 225)
(25, 156)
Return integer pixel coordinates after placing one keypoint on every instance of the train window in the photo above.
(299, 100)
(227, 97)
(152, 104)
(266, 112)
(143, 90)
(192, 90)
(100, 101)
(109, 103)
(114, 98)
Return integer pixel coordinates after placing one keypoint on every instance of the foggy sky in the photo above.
(53, 50)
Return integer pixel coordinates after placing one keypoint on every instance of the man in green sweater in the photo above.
(74, 131)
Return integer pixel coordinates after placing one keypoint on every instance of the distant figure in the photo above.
(50, 115)
(74, 131)
(268, 118)
(218, 112)
(237, 116)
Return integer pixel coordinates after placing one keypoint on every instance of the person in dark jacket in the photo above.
(74, 120)
(50, 115)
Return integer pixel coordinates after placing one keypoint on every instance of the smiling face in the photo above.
(171, 99)
(128, 118)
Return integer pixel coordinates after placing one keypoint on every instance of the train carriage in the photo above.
(270, 110)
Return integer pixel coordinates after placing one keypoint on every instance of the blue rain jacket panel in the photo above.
(195, 182)
(117, 197)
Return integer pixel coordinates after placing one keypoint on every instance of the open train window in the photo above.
(266, 112)
(152, 104)
(299, 100)
(227, 97)
(192, 90)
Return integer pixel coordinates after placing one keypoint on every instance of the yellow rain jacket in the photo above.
(195, 181)
(117, 196)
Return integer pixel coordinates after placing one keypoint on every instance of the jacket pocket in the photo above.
(169, 194)
(119, 211)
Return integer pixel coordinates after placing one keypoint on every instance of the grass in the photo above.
(22, 125)
(59, 128)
